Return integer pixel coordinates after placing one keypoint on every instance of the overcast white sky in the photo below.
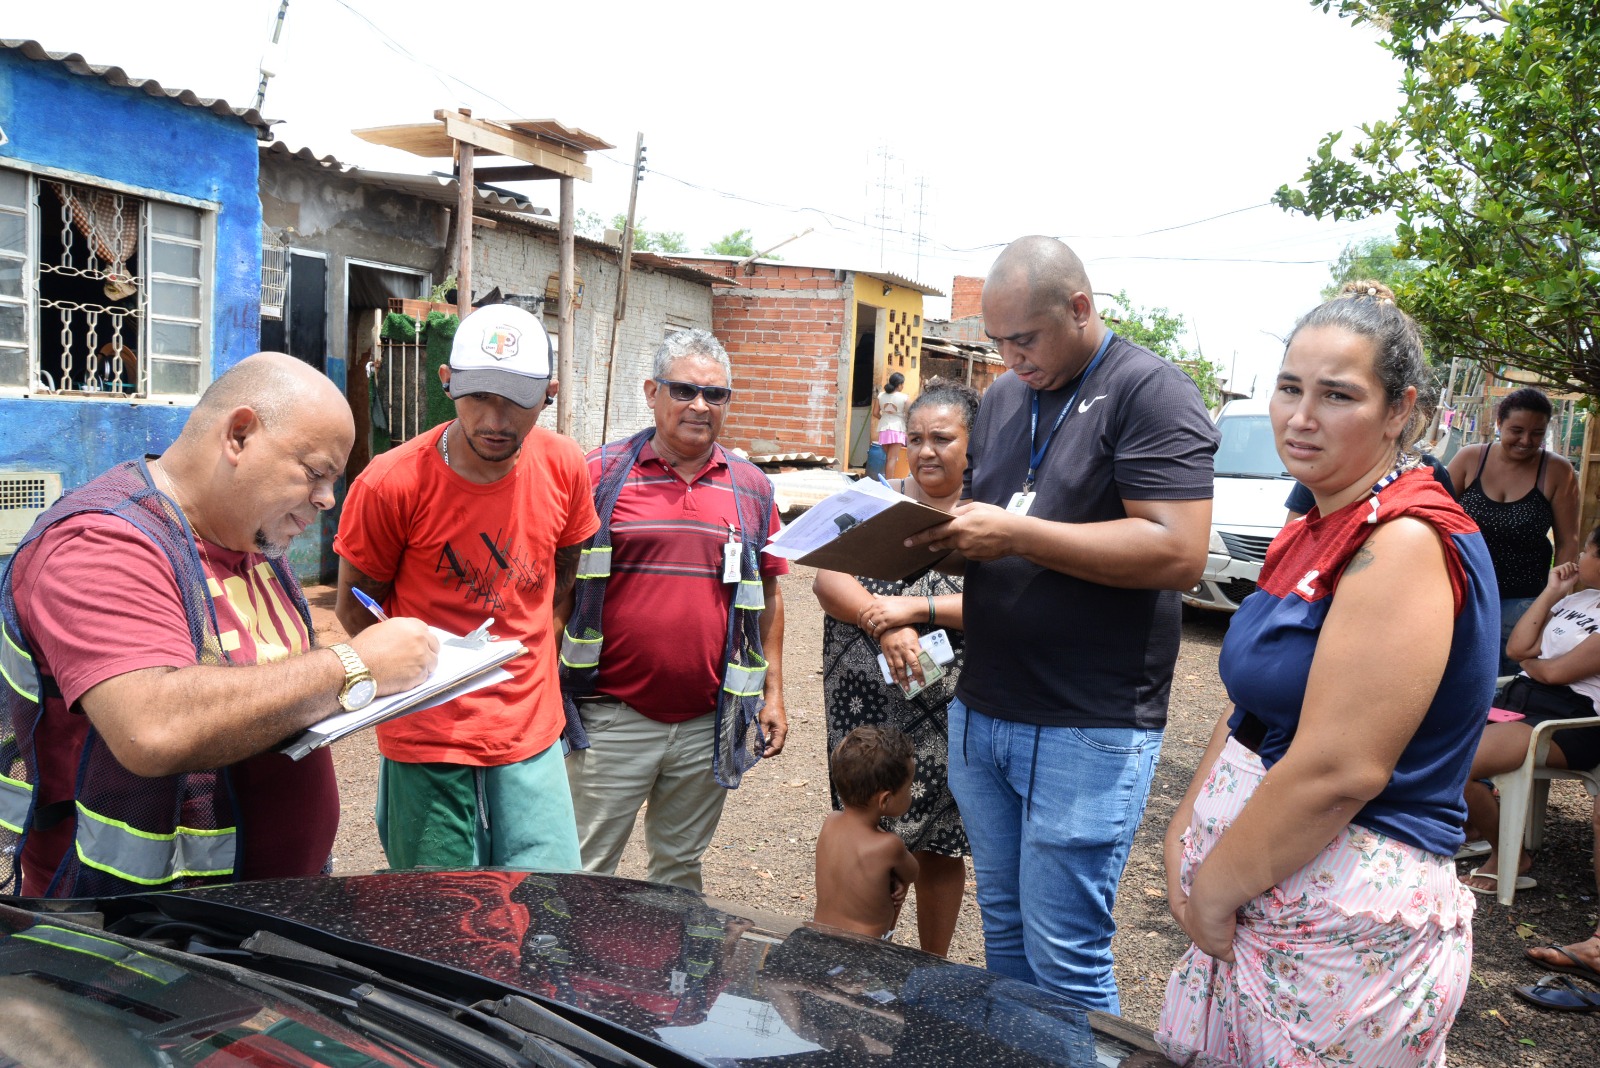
(1115, 126)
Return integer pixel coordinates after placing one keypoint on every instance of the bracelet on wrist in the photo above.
(932, 616)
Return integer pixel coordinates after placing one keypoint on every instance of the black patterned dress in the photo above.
(855, 695)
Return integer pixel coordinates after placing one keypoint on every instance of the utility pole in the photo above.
(267, 64)
(464, 204)
(622, 283)
(566, 290)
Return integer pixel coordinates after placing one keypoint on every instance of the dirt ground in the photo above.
(762, 854)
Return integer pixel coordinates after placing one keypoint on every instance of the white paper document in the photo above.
(824, 521)
(461, 669)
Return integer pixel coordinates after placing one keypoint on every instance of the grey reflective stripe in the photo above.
(103, 948)
(16, 797)
(745, 681)
(580, 652)
(595, 563)
(152, 859)
(750, 595)
(17, 666)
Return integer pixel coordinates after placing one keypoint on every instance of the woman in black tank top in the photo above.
(1518, 493)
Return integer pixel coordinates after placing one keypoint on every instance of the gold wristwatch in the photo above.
(359, 686)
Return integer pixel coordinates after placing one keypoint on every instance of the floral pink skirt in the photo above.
(1361, 957)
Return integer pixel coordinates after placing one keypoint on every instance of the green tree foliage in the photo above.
(1372, 259)
(592, 226)
(651, 240)
(739, 243)
(1162, 333)
(1490, 167)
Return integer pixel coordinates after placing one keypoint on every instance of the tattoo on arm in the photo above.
(1359, 561)
(567, 568)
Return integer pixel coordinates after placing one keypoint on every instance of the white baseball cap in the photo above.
(503, 350)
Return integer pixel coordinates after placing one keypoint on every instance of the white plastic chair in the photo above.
(1524, 795)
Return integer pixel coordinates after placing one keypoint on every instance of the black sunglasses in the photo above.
(688, 391)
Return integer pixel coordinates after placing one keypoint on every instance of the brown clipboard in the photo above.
(875, 547)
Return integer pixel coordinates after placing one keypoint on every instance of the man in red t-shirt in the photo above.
(100, 606)
(480, 519)
(651, 720)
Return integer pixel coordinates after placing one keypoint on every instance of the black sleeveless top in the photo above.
(1517, 532)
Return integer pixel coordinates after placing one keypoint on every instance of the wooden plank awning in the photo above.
(549, 149)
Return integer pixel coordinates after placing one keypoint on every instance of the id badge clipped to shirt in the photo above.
(1020, 502)
(730, 557)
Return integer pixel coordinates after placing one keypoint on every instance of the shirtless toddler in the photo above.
(863, 870)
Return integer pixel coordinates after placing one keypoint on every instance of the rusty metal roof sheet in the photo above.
(76, 64)
(436, 187)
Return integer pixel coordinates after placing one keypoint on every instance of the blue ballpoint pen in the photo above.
(369, 604)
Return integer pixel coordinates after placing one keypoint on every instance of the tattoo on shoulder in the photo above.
(1359, 561)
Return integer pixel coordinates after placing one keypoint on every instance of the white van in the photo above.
(1247, 506)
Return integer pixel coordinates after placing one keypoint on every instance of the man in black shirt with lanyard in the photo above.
(1089, 478)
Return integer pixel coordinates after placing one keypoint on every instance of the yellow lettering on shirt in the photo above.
(248, 604)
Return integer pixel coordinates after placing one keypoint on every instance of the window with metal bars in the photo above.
(102, 293)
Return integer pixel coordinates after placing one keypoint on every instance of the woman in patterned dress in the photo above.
(869, 616)
(1310, 860)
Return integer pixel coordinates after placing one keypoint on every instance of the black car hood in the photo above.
(719, 983)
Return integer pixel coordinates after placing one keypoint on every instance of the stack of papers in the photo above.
(463, 666)
(861, 530)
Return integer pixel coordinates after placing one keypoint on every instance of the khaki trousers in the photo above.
(632, 762)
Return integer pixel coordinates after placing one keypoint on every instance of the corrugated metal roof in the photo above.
(438, 187)
(655, 261)
(76, 64)
(884, 276)
(902, 281)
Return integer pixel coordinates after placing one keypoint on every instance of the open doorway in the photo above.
(864, 360)
(370, 287)
(302, 328)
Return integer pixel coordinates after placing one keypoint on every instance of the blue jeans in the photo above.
(1048, 871)
(1511, 610)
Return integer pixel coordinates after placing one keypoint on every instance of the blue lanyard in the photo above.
(1036, 456)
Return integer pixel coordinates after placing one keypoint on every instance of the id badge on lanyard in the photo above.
(1022, 500)
(731, 550)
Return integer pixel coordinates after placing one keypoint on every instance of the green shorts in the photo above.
(458, 816)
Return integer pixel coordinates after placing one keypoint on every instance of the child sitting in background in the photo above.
(863, 870)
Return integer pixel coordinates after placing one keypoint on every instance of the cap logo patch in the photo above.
(501, 342)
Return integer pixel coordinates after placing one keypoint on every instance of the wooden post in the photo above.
(464, 227)
(622, 284)
(568, 296)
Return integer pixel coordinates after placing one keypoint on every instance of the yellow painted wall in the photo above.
(898, 349)
(901, 349)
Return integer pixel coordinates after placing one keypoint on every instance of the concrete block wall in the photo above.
(520, 258)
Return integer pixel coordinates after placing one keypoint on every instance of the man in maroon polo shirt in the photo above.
(679, 555)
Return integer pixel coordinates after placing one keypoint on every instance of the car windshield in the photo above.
(1247, 449)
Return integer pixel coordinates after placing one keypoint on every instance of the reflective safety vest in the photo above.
(130, 832)
(740, 739)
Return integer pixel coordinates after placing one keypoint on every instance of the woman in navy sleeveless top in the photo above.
(1517, 493)
(1310, 860)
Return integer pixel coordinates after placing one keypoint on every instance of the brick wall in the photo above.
(783, 329)
(966, 296)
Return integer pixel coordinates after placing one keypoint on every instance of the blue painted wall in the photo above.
(82, 124)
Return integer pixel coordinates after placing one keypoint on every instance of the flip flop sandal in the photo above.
(1476, 848)
(1524, 882)
(1559, 994)
(1577, 967)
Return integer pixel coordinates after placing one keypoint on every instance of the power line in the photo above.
(841, 222)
